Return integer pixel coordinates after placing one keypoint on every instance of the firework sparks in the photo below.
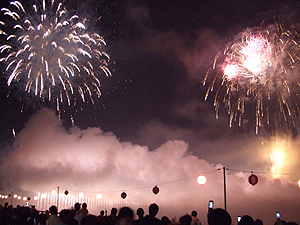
(51, 54)
(259, 65)
(276, 159)
(281, 154)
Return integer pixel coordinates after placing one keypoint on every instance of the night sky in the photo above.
(152, 113)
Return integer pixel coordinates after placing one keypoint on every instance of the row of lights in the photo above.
(18, 197)
(253, 180)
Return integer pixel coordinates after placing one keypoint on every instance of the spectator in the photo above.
(65, 217)
(84, 210)
(151, 219)
(113, 218)
(219, 216)
(53, 219)
(78, 215)
(73, 221)
(125, 216)
(195, 219)
(42, 218)
(185, 220)
(90, 220)
(140, 214)
(246, 220)
(101, 217)
(292, 223)
(258, 222)
(165, 220)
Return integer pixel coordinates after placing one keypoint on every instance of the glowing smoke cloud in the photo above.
(259, 65)
(91, 161)
(50, 53)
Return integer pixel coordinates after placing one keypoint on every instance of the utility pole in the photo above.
(57, 197)
(224, 173)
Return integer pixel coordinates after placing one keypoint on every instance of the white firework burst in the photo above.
(50, 53)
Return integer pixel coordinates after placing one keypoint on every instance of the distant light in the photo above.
(299, 182)
(24, 198)
(6, 196)
(35, 198)
(43, 195)
(2, 196)
(98, 196)
(53, 192)
(15, 195)
(80, 194)
(201, 180)
(19, 197)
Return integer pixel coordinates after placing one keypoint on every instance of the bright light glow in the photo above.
(231, 70)
(276, 159)
(19, 197)
(80, 195)
(299, 182)
(24, 198)
(6, 196)
(201, 180)
(35, 198)
(98, 196)
(256, 54)
(53, 192)
(15, 195)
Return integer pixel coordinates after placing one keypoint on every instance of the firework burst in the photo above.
(260, 65)
(51, 54)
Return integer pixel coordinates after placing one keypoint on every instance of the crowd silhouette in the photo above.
(79, 215)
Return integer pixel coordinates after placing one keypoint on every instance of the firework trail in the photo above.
(260, 65)
(51, 54)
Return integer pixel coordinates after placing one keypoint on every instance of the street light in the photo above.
(98, 196)
(201, 180)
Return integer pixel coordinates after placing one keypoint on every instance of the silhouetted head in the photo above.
(292, 223)
(165, 220)
(72, 213)
(65, 216)
(77, 206)
(125, 212)
(258, 222)
(84, 205)
(185, 220)
(246, 220)
(53, 210)
(280, 222)
(90, 220)
(114, 211)
(194, 213)
(140, 212)
(219, 216)
(102, 212)
(153, 209)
